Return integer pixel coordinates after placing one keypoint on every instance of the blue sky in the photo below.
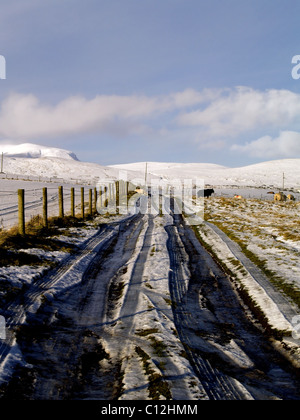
(118, 81)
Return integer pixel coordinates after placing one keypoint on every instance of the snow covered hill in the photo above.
(32, 160)
(41, 161)
(33, 151)
(268, 174)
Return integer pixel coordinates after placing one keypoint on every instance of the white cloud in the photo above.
(208, 119)
(25, 117)
(191, 97)
(243, 109)
(286, 145)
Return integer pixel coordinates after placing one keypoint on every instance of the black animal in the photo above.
(206, 193)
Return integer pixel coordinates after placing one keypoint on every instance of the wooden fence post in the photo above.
(21, 204)
(90, 202)
(73, 202)
(45, 208)
(82, 202)
(109, 192)
(61, 201)
(127, 191)
(117, 198)
(95, 200)
(101, 197)
(106, 196)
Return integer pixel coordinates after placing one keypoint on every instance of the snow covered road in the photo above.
(143, 312)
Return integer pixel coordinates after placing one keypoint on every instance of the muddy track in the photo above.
(82, 338)
(212, 323)
(61, 340)
(17, 310)
(184, 297)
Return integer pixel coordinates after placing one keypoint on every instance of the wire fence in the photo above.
(21, 201)
(34, 203)
(46, 180)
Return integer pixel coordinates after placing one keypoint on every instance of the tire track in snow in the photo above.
(71, 270)
(133, 292)
(146, 322)
(215, 383)
(212, 324)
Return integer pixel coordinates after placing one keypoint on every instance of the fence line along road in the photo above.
(53, 179)
(18, 208)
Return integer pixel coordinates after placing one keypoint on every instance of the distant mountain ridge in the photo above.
(35, 160)
(277, 173)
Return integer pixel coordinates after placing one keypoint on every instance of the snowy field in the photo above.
(269, 230)
(251, 192)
